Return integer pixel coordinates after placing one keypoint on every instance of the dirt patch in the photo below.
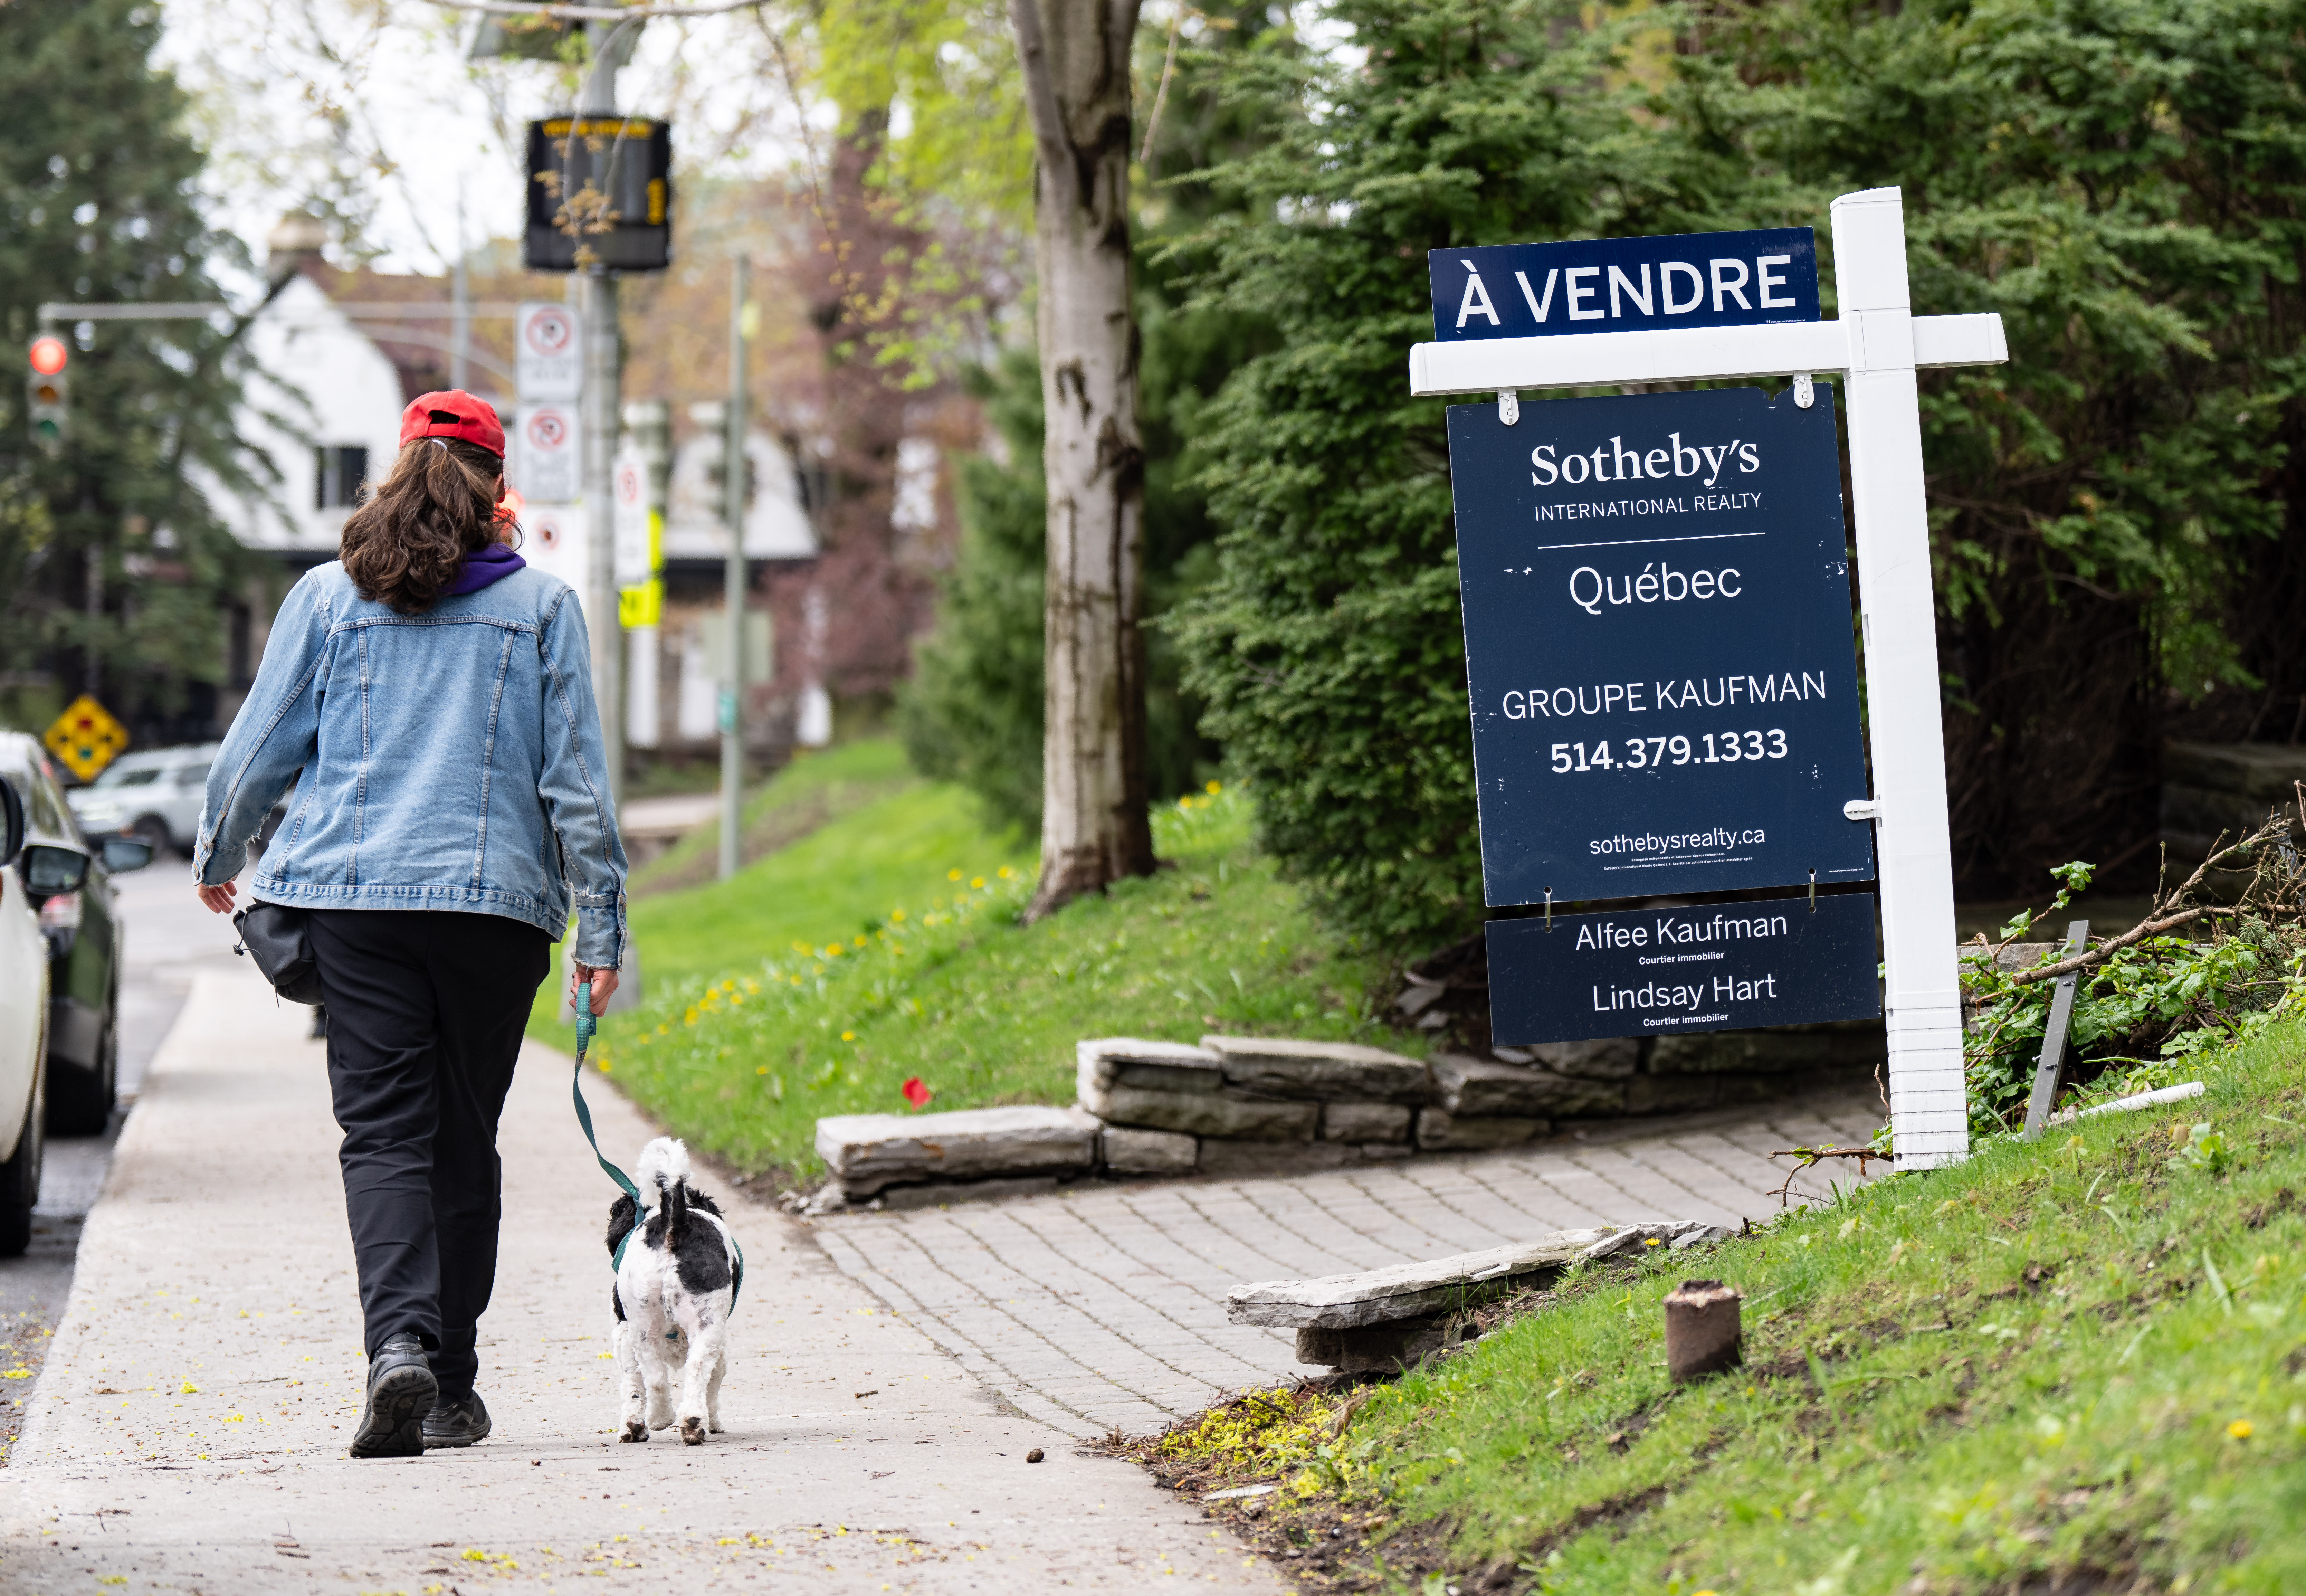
(1323, 1544)
(2261, 1214)
(24, 1341)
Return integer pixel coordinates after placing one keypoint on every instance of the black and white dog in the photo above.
(674, 1291)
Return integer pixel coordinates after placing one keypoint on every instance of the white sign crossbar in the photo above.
(1694, 354)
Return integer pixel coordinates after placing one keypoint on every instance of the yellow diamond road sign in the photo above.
(86, 738)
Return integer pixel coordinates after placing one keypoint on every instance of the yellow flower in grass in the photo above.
(952, 875)
(976, 883)
(2241, 1430)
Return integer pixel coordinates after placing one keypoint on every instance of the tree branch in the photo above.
(1049, 135)
(1161, 95)
(2150, 926)
(591, 14)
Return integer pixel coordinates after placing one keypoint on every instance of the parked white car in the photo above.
(155, 796)
(23, 1035)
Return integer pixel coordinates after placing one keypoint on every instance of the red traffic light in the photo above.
(49, 354)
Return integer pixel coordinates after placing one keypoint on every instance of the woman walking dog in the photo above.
(431, 699)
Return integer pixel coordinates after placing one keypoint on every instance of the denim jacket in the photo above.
(450, 760)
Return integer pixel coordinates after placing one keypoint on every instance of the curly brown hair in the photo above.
(410, 540)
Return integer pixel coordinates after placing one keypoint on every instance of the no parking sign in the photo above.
(548, 355)
(547, 466)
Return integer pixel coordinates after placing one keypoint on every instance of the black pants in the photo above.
(425, 1011)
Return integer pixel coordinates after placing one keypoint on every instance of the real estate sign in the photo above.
(1625, 561)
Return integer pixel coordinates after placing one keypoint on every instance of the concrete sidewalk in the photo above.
(188, 1430)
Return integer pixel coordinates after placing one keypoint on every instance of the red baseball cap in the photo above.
(453, 413)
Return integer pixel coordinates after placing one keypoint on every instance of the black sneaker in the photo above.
(458, 1423)
(401, 1390)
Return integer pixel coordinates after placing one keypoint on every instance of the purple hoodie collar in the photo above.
(483, 566)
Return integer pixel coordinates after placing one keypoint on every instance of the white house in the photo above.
(323, 406)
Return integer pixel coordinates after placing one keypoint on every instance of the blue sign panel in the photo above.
(1658, 650)
(1654, 972)
(1617, 285)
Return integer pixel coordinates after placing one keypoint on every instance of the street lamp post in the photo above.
(594, 290)
(734, 583)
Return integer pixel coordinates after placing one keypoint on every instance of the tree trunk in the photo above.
(1094, 825)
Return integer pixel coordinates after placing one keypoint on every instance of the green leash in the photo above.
(586, 1026)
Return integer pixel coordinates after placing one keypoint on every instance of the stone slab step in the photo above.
(1320, 1072)
(870, 1151)
(1101, 1063)
(1473, 1087)
(1414, 1291)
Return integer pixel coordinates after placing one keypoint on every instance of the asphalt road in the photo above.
(169, 938)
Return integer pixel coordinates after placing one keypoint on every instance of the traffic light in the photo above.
(46, 391)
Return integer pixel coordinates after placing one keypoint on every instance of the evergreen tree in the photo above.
(2119, 555)
(114, 571)
(2121, 179)
(1328, 646)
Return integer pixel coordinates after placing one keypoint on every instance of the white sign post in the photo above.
(1878, 344)
(548, 456)
(558, 541)
(628, 479)
(548, 353)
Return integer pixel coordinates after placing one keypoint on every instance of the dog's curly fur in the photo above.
(672, 1298)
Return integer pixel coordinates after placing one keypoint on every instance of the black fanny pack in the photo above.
(274, 935)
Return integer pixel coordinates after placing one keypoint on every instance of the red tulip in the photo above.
(917, 1094)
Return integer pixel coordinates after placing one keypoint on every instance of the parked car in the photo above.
(155, 796)
(23, 1034)
(69, 884)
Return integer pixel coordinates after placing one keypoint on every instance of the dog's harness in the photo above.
(586, 1026)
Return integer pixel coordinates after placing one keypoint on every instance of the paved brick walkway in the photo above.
(1104, 1305)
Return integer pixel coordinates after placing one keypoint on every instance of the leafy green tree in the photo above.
(114, 571)
(972, 711)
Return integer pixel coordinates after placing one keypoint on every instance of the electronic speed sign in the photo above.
(600, 193)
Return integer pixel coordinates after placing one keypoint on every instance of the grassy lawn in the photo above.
(2079, 1361)
(885, 945)
(811, 791)
(870, 831)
